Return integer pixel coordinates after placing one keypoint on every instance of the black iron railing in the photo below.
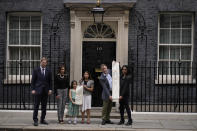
(15, 86)
(159, 88)
(153, 88)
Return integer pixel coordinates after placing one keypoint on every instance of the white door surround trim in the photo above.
(118, 20)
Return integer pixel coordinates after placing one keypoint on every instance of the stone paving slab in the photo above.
(22, 121)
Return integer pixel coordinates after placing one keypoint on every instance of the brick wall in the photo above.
(150, 10)
(48, 9)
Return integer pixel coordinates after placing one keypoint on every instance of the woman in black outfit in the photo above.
(124, 95)
(61, 91)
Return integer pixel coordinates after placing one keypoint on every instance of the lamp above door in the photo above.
(98, 13)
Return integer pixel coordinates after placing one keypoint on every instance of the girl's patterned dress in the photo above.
(73, 110)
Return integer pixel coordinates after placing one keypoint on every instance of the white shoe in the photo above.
(69, 121)
(75, 122)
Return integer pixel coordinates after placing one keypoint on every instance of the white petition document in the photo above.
(79, 95)
(115, 81)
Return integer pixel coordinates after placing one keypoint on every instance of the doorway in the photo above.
(96, 53)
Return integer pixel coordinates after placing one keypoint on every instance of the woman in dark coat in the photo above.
(124, 95)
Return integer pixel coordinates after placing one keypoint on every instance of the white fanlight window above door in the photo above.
(99, 31)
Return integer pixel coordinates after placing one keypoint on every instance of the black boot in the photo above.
(129, 122)
(121, 122)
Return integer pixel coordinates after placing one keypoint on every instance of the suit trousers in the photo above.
(40, 98)
(124, 104)
(107, 106)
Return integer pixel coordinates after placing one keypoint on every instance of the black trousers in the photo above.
(124, 104)
(40, 98)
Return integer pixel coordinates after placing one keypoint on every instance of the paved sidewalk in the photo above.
(22, 120)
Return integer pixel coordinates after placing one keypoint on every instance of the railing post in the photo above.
(179, 86)
(155, 76)
(150, 86)
(132, 86)
(3, 77)
(196, 86)
(20, 70)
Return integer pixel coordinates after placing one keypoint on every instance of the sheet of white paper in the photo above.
(115, 81)
(79, 95)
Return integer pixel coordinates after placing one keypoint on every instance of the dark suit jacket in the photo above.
(124, 86)
(41, 83)
(105, 85)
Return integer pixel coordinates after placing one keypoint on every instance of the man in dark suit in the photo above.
(41, 88)
(106, 83)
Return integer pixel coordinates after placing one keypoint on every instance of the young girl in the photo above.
(73, 109)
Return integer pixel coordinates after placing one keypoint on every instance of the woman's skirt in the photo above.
(87, 100)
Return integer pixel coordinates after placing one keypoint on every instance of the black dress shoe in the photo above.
(44, 122)
(121, 122)
(103, 122)
(35, 123)
(129, 123)
(109, 122)
(61, 122)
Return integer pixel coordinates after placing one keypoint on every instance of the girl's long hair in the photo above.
(71, 87)
(83, 78)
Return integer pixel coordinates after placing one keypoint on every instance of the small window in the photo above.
(23, 42)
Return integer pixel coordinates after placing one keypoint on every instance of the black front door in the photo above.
(95, 54)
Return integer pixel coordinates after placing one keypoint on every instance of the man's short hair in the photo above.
(43, 58)
(102, 65)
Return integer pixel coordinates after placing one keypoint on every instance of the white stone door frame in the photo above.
(122, 20)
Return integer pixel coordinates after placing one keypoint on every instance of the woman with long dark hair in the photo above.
(61, 89)
(125, 79)
(88, 85)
